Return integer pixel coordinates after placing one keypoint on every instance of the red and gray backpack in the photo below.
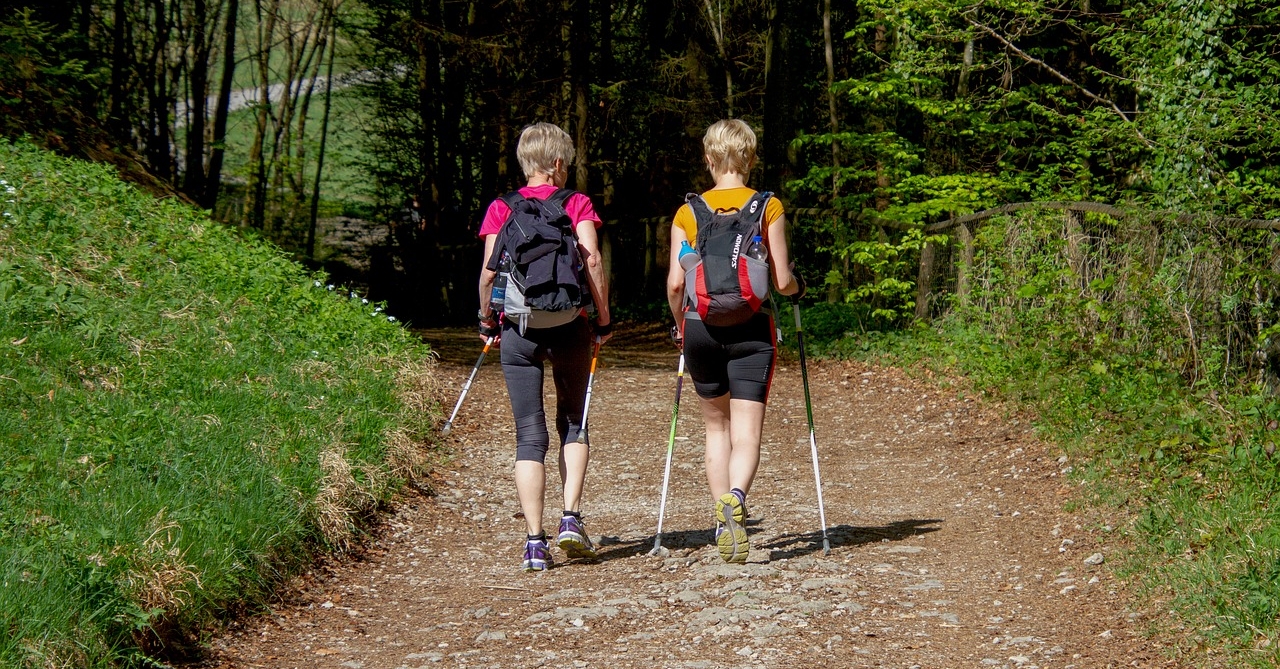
(727, 287)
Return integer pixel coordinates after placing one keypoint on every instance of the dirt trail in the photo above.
(950, 545)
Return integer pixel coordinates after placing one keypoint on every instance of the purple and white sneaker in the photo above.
(537, 555)
(573, 539)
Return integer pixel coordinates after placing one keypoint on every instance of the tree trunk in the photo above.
(779, 115)
(964, 280)
(159, 147)
(198, 76)
(715, 18)
(840, 265)
(324, 137)
(608, 142)
(213, 177)
(298, 52)
(255, 207)
(428, 67)
(579, 75)
(924, 281)
(121, 72)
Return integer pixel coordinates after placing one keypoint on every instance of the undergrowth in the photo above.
(186, 417)
(1137, 370)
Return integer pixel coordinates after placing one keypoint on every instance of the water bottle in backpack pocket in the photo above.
(729, 285)
(498, 297)
(689, 262)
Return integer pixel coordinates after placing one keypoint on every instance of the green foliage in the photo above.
(175, 406)
(889, 297)
(1135, 346)
(36, 75)
(951, 108)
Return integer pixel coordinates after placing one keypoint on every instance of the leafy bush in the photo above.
(186, 415)
(1135, 342)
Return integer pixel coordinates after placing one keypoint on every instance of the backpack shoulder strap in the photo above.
(554, 204)
(701, 210)
(753, 210)
(512, 199)
(561, 196)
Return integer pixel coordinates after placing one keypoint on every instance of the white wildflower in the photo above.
(364, 300)
(317, 284)
(329, 287)
(391, 319)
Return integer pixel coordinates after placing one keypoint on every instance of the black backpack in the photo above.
(727, 287)
(547, 270)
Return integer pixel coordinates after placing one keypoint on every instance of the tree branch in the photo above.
(1062, 77)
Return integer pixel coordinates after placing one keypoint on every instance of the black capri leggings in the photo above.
(734, 359)
(568, 347)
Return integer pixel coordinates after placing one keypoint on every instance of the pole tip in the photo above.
(446, 428)
(582, 437)
(659, 551)
(826, 546)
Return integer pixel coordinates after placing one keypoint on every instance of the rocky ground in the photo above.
(950, 545)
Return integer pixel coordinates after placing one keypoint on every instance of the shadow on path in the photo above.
(782, 547)
(847, 535)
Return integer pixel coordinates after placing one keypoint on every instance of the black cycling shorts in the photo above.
(733, 359)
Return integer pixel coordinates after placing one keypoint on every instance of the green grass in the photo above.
(1194, 471)
(185, 416)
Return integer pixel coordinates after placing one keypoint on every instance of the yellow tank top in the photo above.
(724, 199)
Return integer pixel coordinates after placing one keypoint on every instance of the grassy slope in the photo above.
(184, 414)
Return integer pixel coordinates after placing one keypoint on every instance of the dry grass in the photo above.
(422, 394)
(348, 490)
(338, 488)
(159, 577)
(52, 654)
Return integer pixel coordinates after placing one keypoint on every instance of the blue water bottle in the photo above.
(689, 258)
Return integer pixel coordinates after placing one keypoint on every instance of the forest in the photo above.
(1072, 205)
(875, 118)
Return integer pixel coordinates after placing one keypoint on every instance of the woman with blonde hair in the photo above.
(562, 335)
(727, 337)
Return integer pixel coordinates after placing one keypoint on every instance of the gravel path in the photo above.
(950, 544)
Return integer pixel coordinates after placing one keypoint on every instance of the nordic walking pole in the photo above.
(671, 444)
(448, 424)
(586, 404)
(813, 441)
